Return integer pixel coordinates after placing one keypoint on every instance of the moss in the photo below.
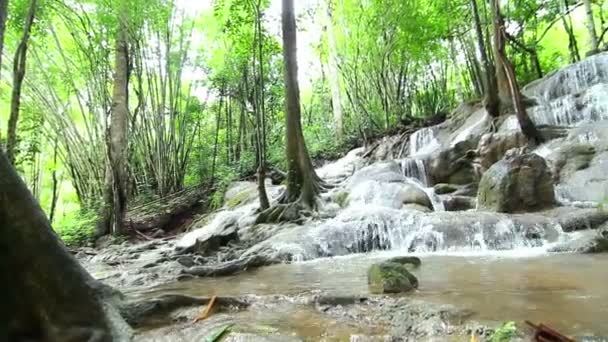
(238, 199)
(390, 277)
(342, 199)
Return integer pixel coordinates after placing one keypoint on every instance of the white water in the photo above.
(416, 169)
(423, 141)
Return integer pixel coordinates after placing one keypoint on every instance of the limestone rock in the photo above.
(519, 182)
(390, 277)
(411, 194)
(444, 188)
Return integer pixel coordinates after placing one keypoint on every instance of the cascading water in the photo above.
(416, 169)
(570, 110)
(570, 80)
(423, 141)
(573, 95)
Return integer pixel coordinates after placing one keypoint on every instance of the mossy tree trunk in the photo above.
(45, 294)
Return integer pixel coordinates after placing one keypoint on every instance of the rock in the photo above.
(493, 146)
(443, 188)
(570, 158)
(519, 182)
(416, 207)
(469, 190)
(586, 242)
(406, 260)
(455, 165)
(412, 194)
(222, 230)
(459, 203)
(579, 219)
(186, 260)
(390, 277)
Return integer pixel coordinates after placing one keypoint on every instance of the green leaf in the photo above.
(218, 333)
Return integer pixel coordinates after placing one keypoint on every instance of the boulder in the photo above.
(587, 242)
(455, 165)
(459, 203)
(416, 207)
(519, 182)
(412, 194)
(444, 188)
(493, 146)
(390, 277)
(208, 239)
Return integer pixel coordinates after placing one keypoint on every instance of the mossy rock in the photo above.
(390, 277)
(406, 260)
(341, 198)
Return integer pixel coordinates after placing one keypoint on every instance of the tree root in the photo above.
(141, 312)
(230, 267)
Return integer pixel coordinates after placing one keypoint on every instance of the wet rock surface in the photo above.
(520, 182)
(390, 277)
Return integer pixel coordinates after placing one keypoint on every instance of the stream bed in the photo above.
(565, 291)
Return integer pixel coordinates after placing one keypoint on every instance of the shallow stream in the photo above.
(565, 291)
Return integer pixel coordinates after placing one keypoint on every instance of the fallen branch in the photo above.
(207, 312)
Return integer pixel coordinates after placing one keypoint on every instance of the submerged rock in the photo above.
(390, 277)
(519, 182)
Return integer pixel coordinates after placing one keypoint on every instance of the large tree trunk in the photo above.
(526, 124)
(492, 102)
(590, 23)
(334, 76)
(502, 82)
(3, 13)
(19, 65)
(46, 295)
(118, 131)
(302, 181)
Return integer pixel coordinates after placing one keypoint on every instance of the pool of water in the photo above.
(566, 291)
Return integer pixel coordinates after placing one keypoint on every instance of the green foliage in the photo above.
(224, 177)
(505, 333)
(76, 228)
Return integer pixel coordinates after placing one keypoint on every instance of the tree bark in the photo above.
(590, 23)
(3, 15)
(502, 82)
(46, 295)
(525, 123)
(118, 131)
(492, 102)
(302, 181)
(572, 44)
(19, 65)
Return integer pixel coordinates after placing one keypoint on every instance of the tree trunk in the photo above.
(334, 73)
(302, 181)
(118, 131)
(3, 13)
(19, 65)
(56, 183)
(572, 44)
(590, 23)
(527, 126)
(260, 112)
(492, 102)
(46, 295)
(502, 82)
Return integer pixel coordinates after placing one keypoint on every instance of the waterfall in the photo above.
(423, 141)
(570, 110)
(416, 169)
(570, 80)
